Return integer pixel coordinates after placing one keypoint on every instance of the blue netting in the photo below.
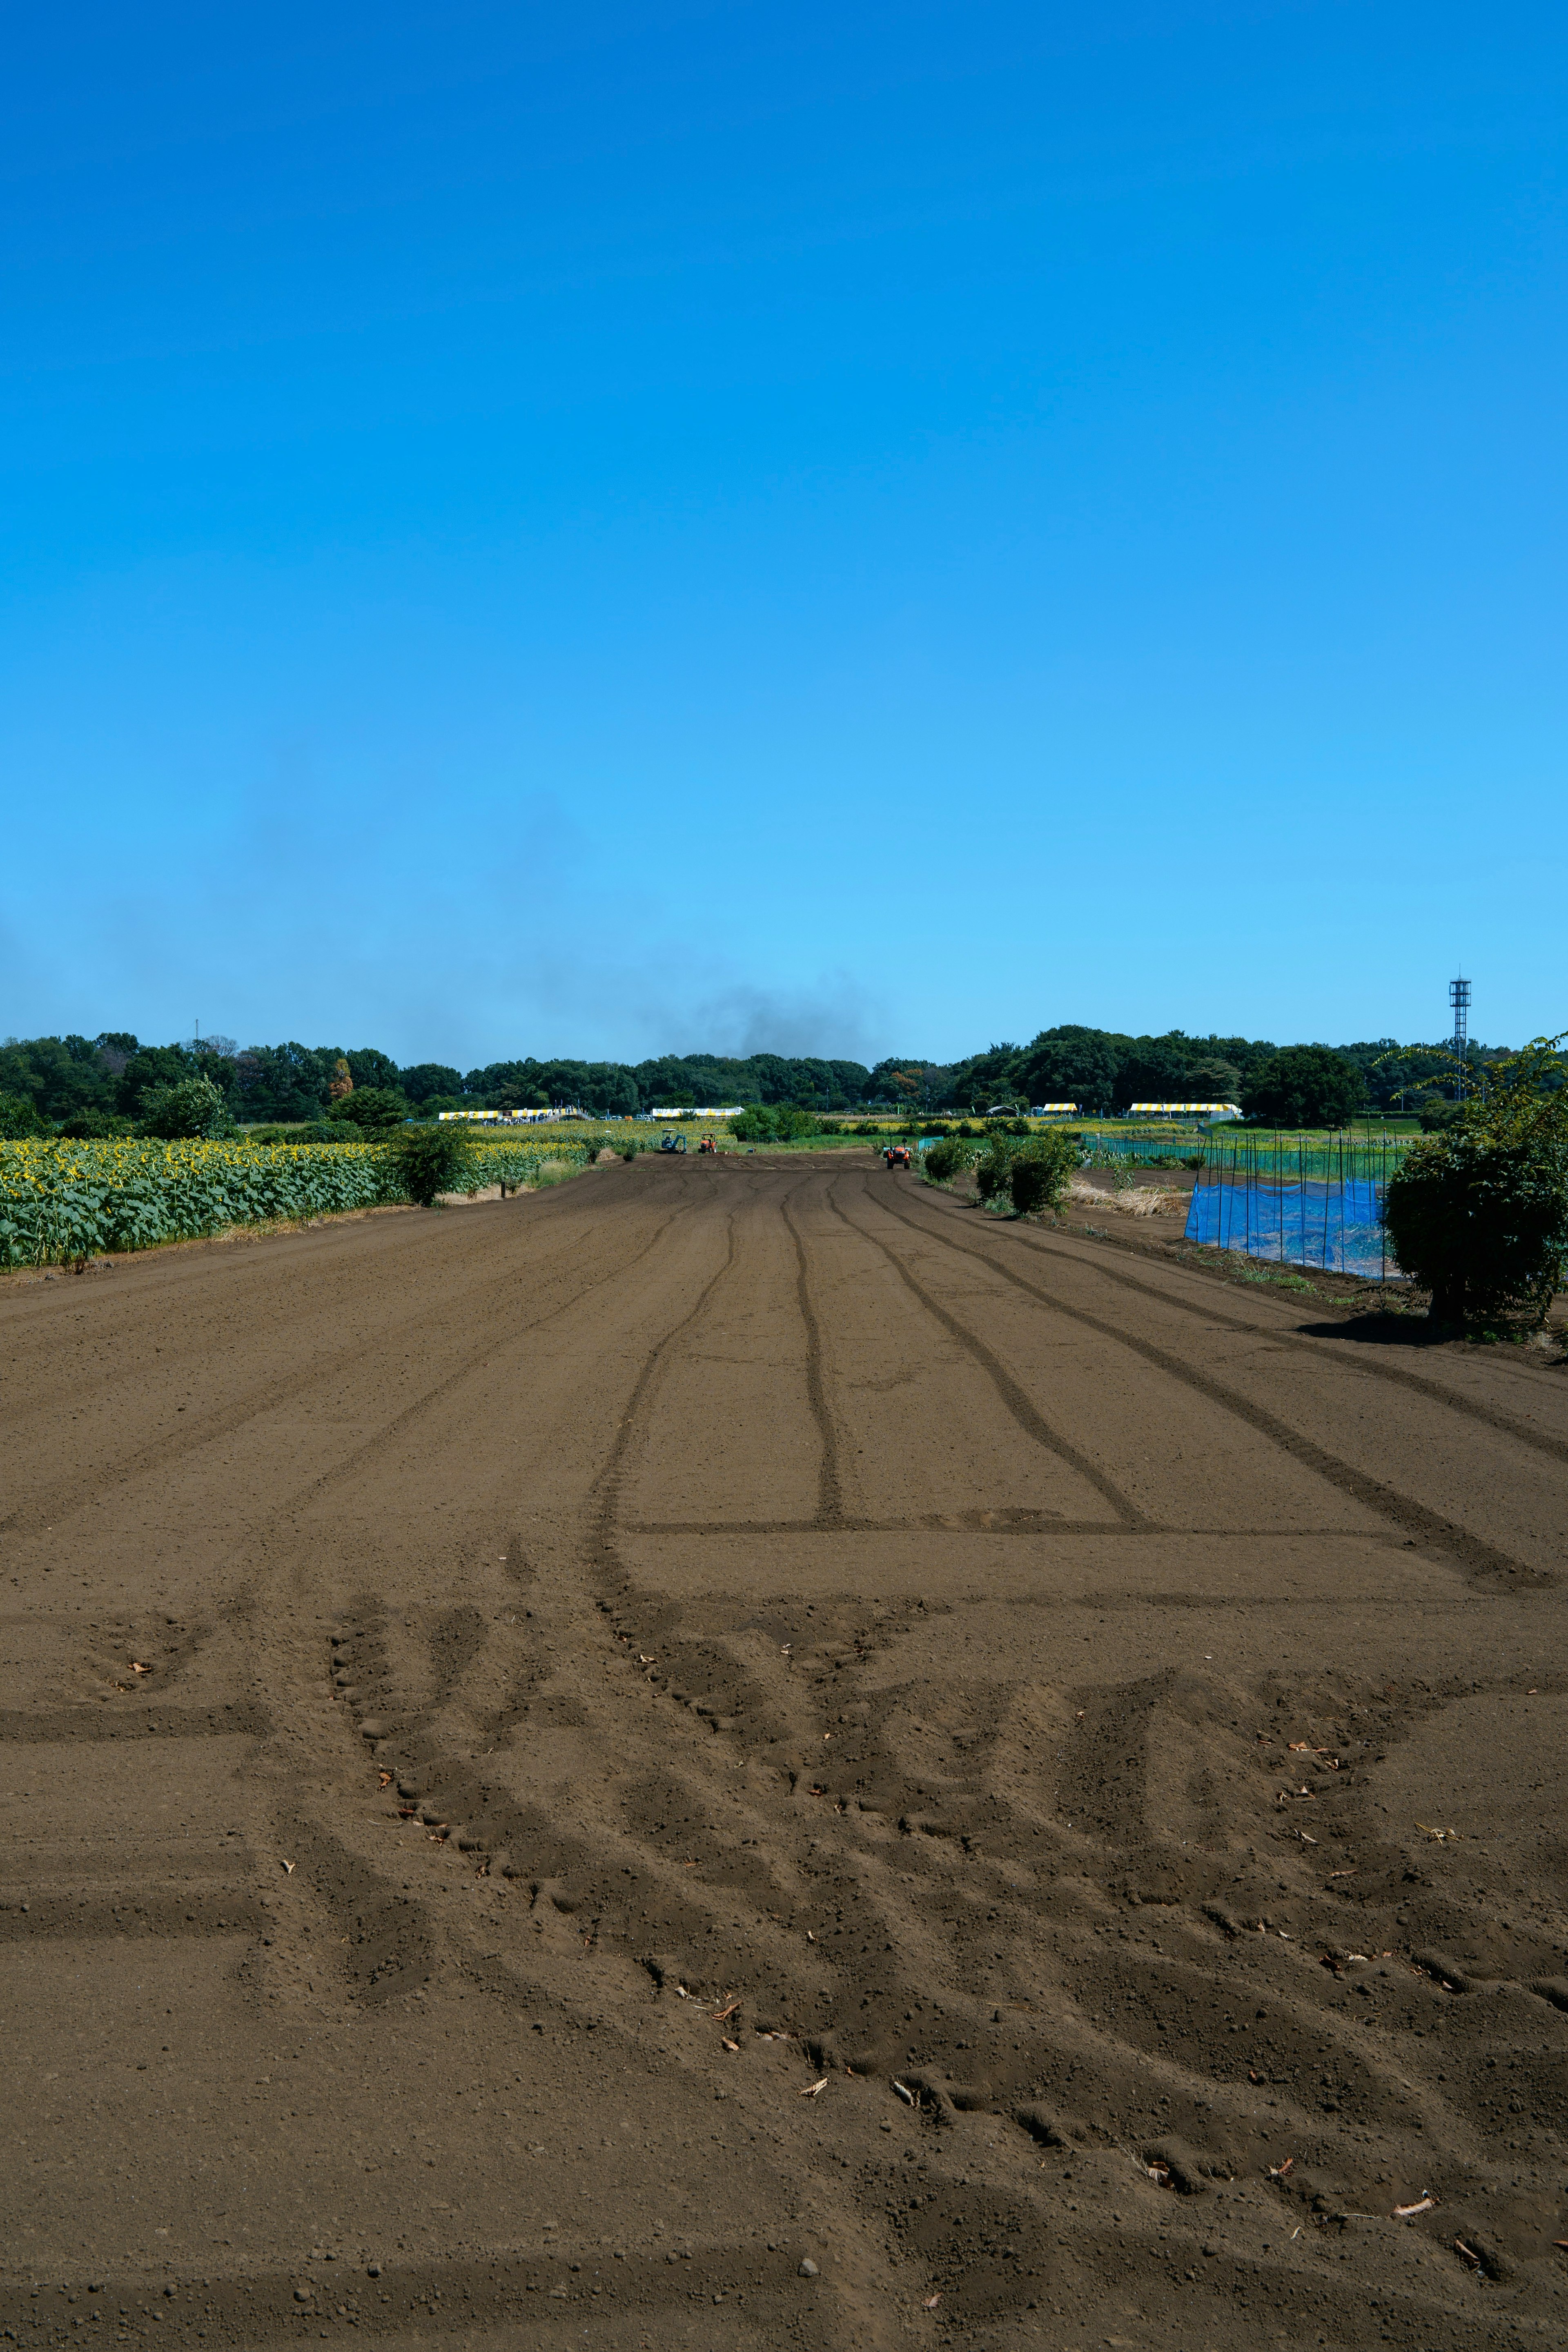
(1337, 1226)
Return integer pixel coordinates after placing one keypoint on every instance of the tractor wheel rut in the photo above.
(717, 1754)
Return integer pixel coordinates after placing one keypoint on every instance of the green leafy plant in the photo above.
(1037, 1178)
(18, 1118)
(371, 1109)
(993, 1170)
(1478, 1214)
(95, 1126)
(946, 1159)
(774, 1123)
(430, 1161)
(192, 1107)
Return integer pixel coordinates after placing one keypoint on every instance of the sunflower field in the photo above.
(62, 1200)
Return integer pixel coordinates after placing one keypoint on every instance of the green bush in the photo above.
(774, 1123)
(18, 1119)
(993, 1170)
(372, 1108)
(946, 1159)
(95, 1126)
(1478, 1214)
(430, 1161)
(191, 1108)
(1038, 1175)
(316, 1131)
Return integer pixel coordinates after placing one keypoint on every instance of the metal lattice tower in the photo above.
(1460, 998)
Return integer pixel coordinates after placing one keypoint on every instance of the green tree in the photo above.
(774, 1123)
(284, 1082)
(1071, 1065)
(192, 1107)
(1478, 1214)
(150, 1067)
(371, 1108)
(946, 1159)
(58, 1076)
(994, 1169)
(430, 1161)
(19, 1119)
(1304, 1086)
(1155, 1072)
(1213, 1081)
(1038, 1176)
(368, 1067)
(428, 1078)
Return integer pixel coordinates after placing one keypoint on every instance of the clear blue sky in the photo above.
(861, 527)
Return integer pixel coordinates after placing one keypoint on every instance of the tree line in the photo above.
(107, 1084)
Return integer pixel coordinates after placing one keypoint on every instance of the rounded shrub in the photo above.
(1482, 1223)
(946, 1159)
(371, 1109)
(1038, 1176)
(430, 1161)
(1478, 1214)
(19, 1120)
(192, 1107)
(993, 1170)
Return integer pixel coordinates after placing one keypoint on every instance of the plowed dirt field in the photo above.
(739, 1754)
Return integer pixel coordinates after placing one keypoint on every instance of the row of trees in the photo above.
(1104, 1070)
(97, 1084)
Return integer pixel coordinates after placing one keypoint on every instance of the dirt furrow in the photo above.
(828, 1773)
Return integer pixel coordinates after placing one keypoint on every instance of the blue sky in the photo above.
(860, 530)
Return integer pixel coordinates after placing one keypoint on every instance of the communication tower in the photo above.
(1460, 998)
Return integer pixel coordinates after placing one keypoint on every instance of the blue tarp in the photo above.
(1337, 1226)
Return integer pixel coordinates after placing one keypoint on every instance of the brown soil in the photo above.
(566, 1763)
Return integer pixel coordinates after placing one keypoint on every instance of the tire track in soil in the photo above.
(1027, 1415)
(452, 1799)
(90, 1388)
(830, 1484)
(1003, 1914)
(481, 1360)
(1396, 1375)
(167, 1453)
(1481, 1559)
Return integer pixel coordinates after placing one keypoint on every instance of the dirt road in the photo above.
(738, 1753)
